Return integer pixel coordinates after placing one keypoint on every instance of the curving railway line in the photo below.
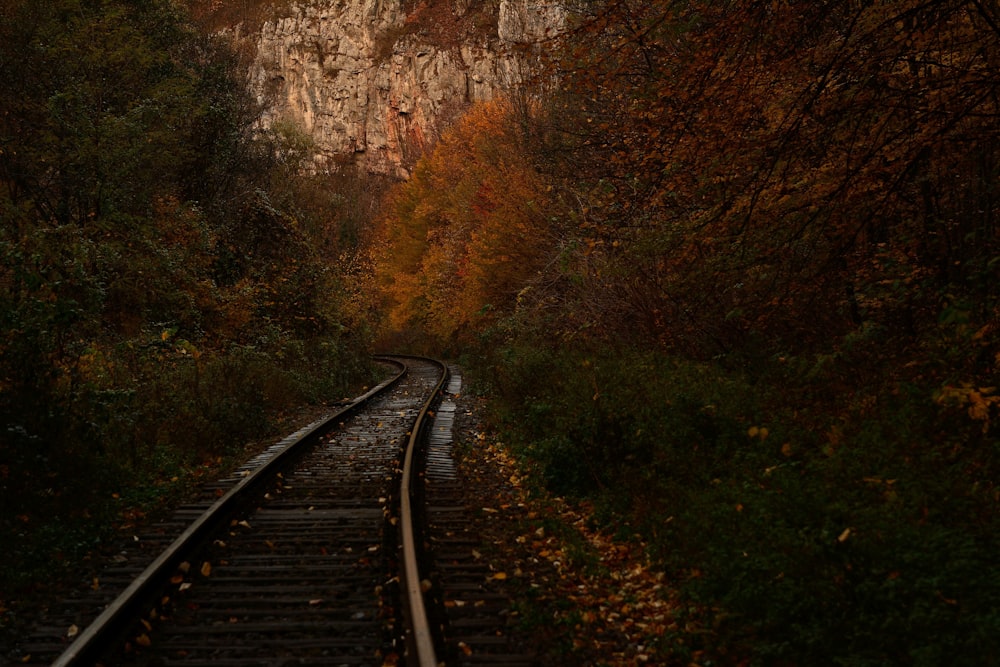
(324, 550)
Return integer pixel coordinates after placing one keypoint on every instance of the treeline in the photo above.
(169, 282)
(735, 279)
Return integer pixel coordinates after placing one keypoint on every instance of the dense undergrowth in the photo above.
(800, 527)
(171, 285)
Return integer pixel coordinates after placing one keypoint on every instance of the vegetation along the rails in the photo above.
(169, 283)
(732, 272)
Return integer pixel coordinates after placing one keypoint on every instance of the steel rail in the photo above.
(102, 632)
(420, 639)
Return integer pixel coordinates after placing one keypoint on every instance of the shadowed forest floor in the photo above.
(582, 597)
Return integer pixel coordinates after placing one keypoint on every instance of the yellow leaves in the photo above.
(185, 347)
(465, 232)
(977, 401)
(878, 480)
(759, 432)
(979, 406)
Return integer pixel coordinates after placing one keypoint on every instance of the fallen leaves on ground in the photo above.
(583, 597)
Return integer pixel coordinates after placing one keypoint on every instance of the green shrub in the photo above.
(161, 304)
(847, 531)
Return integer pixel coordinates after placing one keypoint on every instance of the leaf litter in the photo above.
(581, 596)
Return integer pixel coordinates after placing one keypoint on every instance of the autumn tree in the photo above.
(469, 231)
(796, 157)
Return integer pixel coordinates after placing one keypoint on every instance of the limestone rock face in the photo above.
(523, 21)
(374, 81)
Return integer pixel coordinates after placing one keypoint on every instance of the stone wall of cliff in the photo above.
(374, 81)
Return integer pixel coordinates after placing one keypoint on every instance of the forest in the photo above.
(729, 271)
(726, 271)
(172, 285)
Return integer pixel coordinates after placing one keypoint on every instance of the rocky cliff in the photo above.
(373, 81)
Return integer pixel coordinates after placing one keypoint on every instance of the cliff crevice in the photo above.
(374, 81)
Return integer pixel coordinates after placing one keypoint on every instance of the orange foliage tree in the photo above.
(469, 230)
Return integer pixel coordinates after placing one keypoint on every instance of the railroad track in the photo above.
(340, 545)
(292, 560)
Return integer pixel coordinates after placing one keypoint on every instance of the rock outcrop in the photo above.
(374, 81)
